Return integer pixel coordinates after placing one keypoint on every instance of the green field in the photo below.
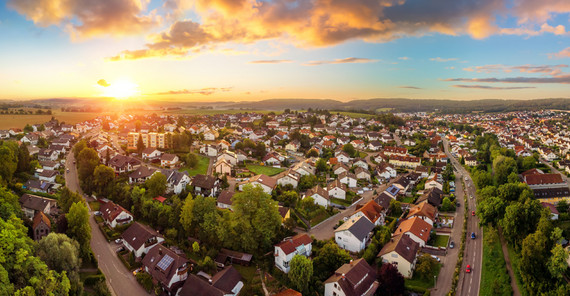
(201, 167)
(8, 121)
(441, 240)
(264, 170)
(494, 277)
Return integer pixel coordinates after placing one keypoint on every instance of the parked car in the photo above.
(119, 240)
(67, 170)
(436, 258)
(473, 236)
(120, 249)
(137, 270)
(458, 204)
(468, 269)
(472, 213)
(98, 213)
(451, 245)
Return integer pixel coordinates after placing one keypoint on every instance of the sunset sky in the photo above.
(212, 50)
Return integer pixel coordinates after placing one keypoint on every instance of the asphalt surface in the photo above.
(473, 256)
(119, 279)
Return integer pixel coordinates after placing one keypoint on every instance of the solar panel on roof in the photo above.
(165, 262)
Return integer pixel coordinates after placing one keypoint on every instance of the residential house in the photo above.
(41, 226)
(401, 251)
(337, 189)
(223, 167)
(291, 177)
(349, 179)
(48, 175)
(433, 196)
(115, 215)
(424, 211)
(433, 183)
(32, 204)
(320, 196)
(209, 150)
(471, 161)
(176, 180)
(166, 267)
(353, 234)
(227, 282)
(205, 185)
(300, 244)
(417, 228)
(354, 278)
(151, 153)
(169, 160)
(304, 168)
(374, 212)
(360, 163)
(362, 174)
(229, 156)
(47, 154)
(139, 239)
(225, 199)
(141, 174)
(340, 168)
(265, 182)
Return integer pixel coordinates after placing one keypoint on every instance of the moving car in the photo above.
(468, 269)
(472, 213)
(473, 236)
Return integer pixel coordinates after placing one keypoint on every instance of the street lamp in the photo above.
(434, 282)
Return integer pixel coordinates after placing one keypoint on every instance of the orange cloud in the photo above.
(565, 53)
(342, 61)
(88, 18)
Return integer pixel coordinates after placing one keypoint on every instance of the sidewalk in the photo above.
(516, 291)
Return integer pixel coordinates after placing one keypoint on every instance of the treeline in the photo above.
(508, 204)
(26, 112)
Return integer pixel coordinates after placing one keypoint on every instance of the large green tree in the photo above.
(68, 198)
(78, 226)
(61, 253)
(328, 259)
(104, 180)
(156, 185)
(9, 161)
(9, 204)
(503, 166)
(301, 273)
(87, 161)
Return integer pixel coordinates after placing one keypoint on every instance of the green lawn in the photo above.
(201, 167)
(408, 199)
(247, 272)
(417, 282)
(320, 217)
(264, 170)
(494, 277)
(441, 240)
(343, 202)
(362, 154)
(94, 205)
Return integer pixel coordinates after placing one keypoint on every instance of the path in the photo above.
(516, 291)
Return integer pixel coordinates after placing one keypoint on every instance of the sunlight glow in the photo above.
(121, 89)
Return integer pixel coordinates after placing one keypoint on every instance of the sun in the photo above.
(121, 90)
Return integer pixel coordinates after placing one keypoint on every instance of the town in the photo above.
(293, 202)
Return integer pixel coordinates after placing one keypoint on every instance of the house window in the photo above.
(285, 263)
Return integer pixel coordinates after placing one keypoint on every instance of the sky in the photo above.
(235, 50)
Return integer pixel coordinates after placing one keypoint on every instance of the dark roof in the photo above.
(110, 211)
(543, 179)
(355, 278)
(383, 199)
(227, 279)
(404, 245)
(551, 192)
(39, 218)
(203, 181)
(226, 197)
(168, 157)
(137, 234)
(48, 173)
(359, 227)
(433, 197)
(35, 202)
(142, 172)
(161, 267)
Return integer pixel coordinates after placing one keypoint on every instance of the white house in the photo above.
(114, 214)
(267, 183)
(401, 251)
(354, 234)
(151, 153)
(169, 160)
(349, 179)
(319, 195)
(140, 239)
(336, 189)
(290, 178)
(300, 244)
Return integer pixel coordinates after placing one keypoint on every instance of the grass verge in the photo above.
(494, 276)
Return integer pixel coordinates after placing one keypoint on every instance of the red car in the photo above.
(472, 213)
(468, 269)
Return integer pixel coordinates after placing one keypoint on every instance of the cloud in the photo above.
(410, 87)
(203, 91)
(491, 87)
(270, 61)
(565, 53)
(553, 70)
(88, 18)
(341, 61)
(103, 83)
(403, 58)
(442, 60)
(563, 79)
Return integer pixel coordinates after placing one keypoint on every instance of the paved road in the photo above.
(473, 256)
(445, 278)
(555, 170)
(115, 140)
(119, 279)
(325, 230)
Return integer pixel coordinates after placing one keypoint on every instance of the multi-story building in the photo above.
(150, 140)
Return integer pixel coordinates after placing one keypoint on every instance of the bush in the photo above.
(92, 280)
(145, 280)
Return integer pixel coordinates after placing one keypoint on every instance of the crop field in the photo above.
(8, 121)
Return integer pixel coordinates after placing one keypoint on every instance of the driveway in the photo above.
(119, 278)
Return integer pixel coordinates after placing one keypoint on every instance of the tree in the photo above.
(482, 179)
(67, 198)
(78, 226)
(557, 264)
(79, 147)
(289, 198)
(328, 259)
(192, 160)
(520, 219)
(9, 161)
(301, 272)
(22, 273)
(533, 262)
(9, 205)
(349, 149)
(256, 218)
(307, 182)
(28, 128)
(447, 205)
(491, 211)
(140, 145)
(23, 159)
(187, 214)
(391, 281)
(425, 266)
(195, 247)
(104, 180)
(156, 185)
(322, 166)
(562, 206)
(87, 161)
(61, 253)
(312, 153)
(395, 208)
(503, 166)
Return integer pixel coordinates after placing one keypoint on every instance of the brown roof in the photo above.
(423, 209)
(162, 264)
(355, 278)
(543, 179)
(402, 244)
(137, 234)
(265, 180)
(226, 197)
(35, 202)
(336, 183)
(289, 244)
(288, 292)
(226, 279)
(318, 190)
(203, 181)
(417, 226)
(39, 218)
(371, 210)
(168, 157)
(110, 211)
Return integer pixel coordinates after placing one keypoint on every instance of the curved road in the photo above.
(473, 256)
(119, 278)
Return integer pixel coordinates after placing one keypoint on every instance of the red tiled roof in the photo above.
(288, 245)
(543, 179)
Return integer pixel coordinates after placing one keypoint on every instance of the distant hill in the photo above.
(296, 104)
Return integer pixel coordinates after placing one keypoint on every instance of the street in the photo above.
(473, 256)
(119, 279)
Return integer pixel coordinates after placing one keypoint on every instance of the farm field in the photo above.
(8, 121)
